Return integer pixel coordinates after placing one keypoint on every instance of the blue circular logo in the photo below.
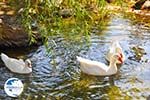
(13, 87)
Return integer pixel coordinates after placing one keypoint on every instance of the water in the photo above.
(61, 78)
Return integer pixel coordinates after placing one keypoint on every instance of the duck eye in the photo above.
(118, 56)
(121, 55)
(29, 65)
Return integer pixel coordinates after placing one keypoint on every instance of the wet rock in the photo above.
(141, 8)
(139, 52)
(65, 13)
(146, 5)
(12, 34)
(138, 4)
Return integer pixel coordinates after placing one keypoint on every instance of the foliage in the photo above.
(68, 18)
(73, 20)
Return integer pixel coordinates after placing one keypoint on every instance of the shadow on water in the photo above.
(66, 81)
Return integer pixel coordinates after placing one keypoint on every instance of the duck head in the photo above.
(119, 50)
(28, 63)
(117, 57)
(120, 58)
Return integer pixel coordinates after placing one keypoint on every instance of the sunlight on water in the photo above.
(61, 78)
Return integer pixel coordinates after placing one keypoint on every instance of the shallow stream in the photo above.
(62, 79)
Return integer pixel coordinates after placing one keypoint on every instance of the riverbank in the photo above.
(13, 34)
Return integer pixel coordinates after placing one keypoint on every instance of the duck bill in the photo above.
(29, 65)
(121, 55)
(121, 60)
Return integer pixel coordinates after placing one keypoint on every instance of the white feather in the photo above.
(15, 65)
(97, 68)
(115, 48)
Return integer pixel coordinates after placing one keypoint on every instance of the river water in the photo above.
(58, 76)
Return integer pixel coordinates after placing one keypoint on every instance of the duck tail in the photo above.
(79, 58)
(4, 57)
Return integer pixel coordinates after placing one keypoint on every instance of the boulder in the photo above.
(146, 5)
(13, 34)
(138, 4)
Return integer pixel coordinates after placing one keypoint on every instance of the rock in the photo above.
(138, 4)
(146, 5)
(12, 37)
(12, 34)
(65, 13)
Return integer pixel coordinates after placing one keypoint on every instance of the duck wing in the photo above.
(14, 64)
(92, 67)
(92, 64)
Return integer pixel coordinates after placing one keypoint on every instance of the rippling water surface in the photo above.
(58, 76)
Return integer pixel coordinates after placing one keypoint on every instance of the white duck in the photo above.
(97, 68)
(17, 66)
(115, 48)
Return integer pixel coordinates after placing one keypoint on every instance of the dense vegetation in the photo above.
(68, 18)
(71, 19)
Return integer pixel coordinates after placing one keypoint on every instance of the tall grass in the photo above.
(80, 15)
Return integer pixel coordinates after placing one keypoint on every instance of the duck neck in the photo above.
(27, 68)
(113, 65)
(112, 68)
